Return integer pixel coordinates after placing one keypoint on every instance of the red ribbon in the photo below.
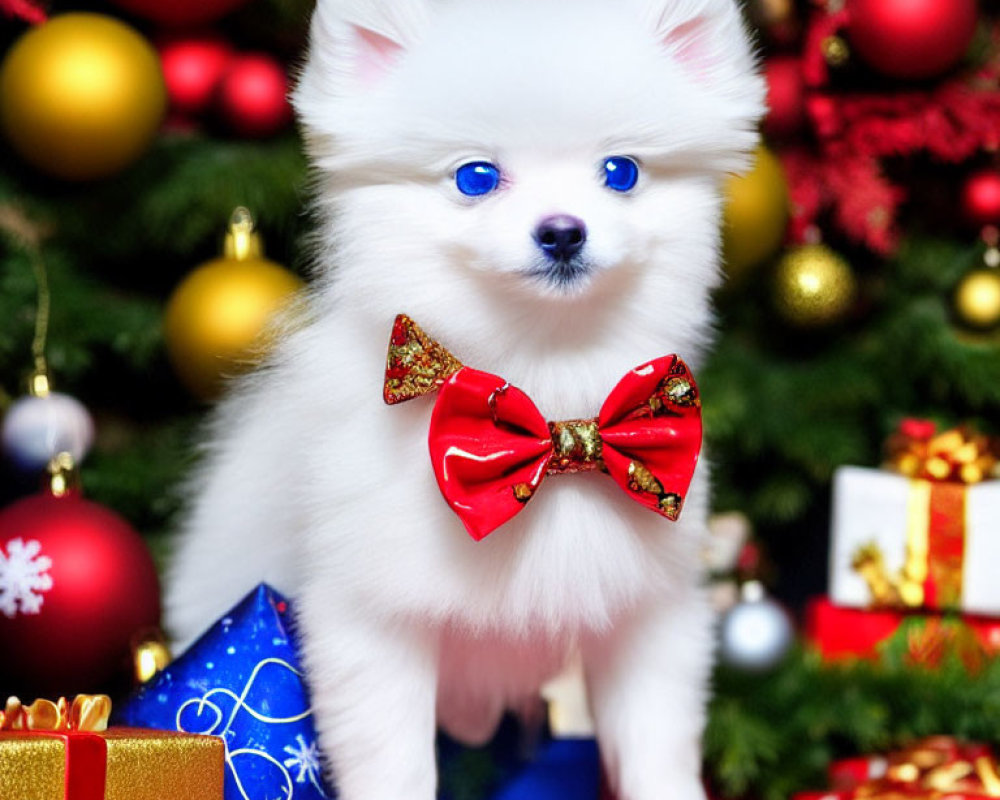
(945, 545)
(86, 762)
(491, 447)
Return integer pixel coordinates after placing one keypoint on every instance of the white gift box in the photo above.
(906, 522)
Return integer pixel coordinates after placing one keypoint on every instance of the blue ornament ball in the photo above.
(37, 428)
(756, 633)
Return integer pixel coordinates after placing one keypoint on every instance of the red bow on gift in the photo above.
(491, 447)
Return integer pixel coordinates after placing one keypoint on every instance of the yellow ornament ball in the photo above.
(81, 96)
(977, 299)
(217, 320)
(813, 287)
(755, 215)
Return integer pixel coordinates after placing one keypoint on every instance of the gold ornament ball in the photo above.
(81, 96)
(813, 287)
(755, 215)
(215, 319)
(977, 299)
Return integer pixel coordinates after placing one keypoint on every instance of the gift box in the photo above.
(933, 768)
(563, 769)
(243, 681)
(481, 772)
(53, 751)
(838, 632)
(923, 537)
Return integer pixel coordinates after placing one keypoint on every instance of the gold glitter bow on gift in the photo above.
(941, 466)
(87, 712)
(935, 768)
(959, 454)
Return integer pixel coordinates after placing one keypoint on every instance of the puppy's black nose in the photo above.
(561, 236)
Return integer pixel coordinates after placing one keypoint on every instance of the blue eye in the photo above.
(477, 178)
(620, 173)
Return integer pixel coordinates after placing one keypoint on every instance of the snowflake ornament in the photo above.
(23, 577)
(305, 758)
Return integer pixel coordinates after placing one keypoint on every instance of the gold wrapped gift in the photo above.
(62, 751)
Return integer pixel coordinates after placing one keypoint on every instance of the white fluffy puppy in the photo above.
(536, 264)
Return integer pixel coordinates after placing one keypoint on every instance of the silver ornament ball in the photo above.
(754, 634)
(38, 428)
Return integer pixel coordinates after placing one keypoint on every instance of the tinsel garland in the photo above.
(854, 130)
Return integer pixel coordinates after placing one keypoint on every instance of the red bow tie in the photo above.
(490, 447)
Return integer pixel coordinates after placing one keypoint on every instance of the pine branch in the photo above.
(774, 734)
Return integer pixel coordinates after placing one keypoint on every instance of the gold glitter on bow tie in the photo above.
(416, 364)
(576, 446)
(642, 480)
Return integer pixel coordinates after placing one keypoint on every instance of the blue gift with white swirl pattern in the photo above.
(242, 680)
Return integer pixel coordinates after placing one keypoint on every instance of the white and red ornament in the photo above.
(252, 96)
(76, 584)
(36, 428)
(911, 39)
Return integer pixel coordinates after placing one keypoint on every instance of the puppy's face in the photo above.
(545, 153)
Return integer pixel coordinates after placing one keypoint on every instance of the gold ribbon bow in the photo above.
(959, 454)
(87, 712)
(933, 768)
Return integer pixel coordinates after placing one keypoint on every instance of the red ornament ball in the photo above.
(253, 96)
(192, 69)
(981, 198)
(911, 39)
(786, 110)
(76, 584)
(180, 12)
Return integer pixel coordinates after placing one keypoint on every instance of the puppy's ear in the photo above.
(374, 55)
(361, 40)
(707, 38)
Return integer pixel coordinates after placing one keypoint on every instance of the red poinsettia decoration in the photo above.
(855, 130)
(22, 9)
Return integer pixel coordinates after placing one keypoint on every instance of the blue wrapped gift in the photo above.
(563, 769)
(242, 680)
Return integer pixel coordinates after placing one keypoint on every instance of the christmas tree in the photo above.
(115, 247)
(863, 289)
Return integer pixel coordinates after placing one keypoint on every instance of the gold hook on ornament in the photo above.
(64, 478)
(242, 242)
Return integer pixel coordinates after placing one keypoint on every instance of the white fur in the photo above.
(314, 485)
